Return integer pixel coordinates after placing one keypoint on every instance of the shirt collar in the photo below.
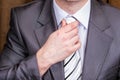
(81, 15)
(59, 13)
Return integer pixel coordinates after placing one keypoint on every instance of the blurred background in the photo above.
(6, 5)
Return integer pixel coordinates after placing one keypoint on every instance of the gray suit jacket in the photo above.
(31, 25)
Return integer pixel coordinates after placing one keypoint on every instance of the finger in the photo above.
(74, 40)
(70, 26)
(74, 24)
(63, 23)
(76, 46)
(72, 33)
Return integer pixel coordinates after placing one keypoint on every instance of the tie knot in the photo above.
(70, 19)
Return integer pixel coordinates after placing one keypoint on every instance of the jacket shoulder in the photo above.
(29, 8)
(30, 5)
(27, 11)
(112, 13)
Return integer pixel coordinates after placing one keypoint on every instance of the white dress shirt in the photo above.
(82, 16)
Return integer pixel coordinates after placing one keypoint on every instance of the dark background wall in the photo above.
(6, 5)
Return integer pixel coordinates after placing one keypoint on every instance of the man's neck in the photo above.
(70, 6)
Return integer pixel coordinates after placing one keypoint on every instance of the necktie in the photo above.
(72, 64)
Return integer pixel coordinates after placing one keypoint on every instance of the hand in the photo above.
(60, 44)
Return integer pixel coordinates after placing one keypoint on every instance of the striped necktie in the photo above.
(72, 64)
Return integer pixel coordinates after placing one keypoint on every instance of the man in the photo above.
(48, 35)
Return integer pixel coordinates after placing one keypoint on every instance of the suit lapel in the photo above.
(45, 26)
(45, 23)
(98, 43)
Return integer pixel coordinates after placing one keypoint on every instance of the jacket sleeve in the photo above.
(15, 62)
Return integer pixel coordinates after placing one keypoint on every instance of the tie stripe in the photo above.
(73, 69)
(79, 76)
(69, 60)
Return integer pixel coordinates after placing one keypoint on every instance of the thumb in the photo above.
(63, 23)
